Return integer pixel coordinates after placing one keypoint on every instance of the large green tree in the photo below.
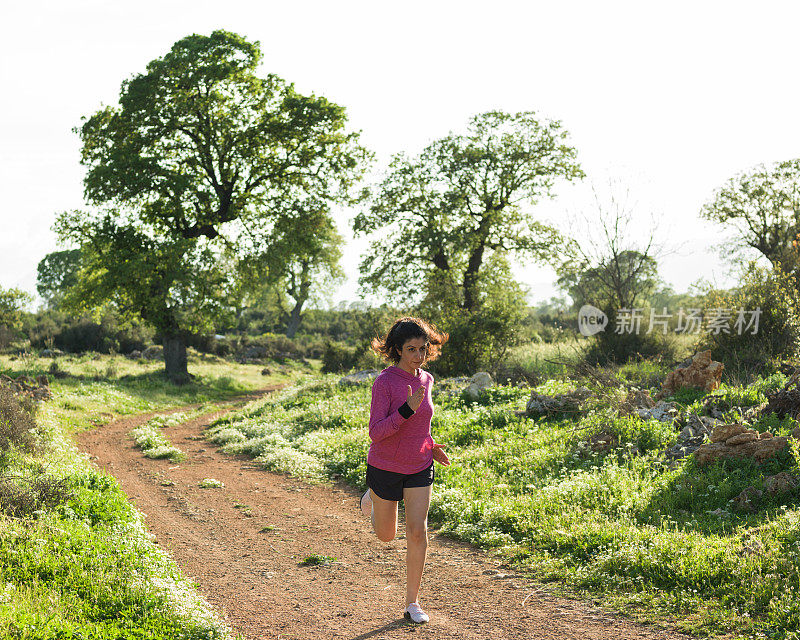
(197, 162)
(761, 206)
(441, 216)
(12, 304)
(56, 273)
(303, 260)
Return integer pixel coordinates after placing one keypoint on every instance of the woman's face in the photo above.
(413, 354)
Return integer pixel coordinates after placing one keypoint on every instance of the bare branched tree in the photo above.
(602, 263)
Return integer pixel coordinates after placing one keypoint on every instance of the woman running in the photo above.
(402, 451)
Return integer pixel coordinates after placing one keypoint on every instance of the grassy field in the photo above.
(76, 560)
(658, 543)
(98, 387)
(661, 544)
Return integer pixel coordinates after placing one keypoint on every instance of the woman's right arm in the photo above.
(382, 421)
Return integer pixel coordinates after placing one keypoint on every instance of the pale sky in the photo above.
(668, 99)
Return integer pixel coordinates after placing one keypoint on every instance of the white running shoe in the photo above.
(415, 613)
(366, 504)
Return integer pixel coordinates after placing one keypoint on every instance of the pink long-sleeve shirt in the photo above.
(402, 445)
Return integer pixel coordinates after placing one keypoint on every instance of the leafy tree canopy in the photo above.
(12, 303)
(200, 140)
(762, 207)
(191, 172)
(56, 273)
(441, 215)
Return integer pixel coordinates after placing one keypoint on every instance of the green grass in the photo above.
(88, 568)
(316, 560)
(150, 438)
(662, 544)
(88, 397)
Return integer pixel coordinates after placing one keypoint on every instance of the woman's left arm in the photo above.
(439, 455)
(437, 450)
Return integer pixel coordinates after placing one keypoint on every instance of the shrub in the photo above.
(23, 497)
(7, 336)
(17, 426)
(479, 339)
(746, 354)
(610, 347)
(111, 334)
(338, 357)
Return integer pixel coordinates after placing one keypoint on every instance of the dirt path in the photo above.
(254, 580)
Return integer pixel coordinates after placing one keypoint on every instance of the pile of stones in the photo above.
(737, 441)
(543, 405)
(699, 371)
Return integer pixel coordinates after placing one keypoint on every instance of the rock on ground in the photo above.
(359, 377)
(661, 411)
(696, 431)
(782, 482)
(571, 402)
(479, 383)
(737, 441)
(636, 399)
(701, 372)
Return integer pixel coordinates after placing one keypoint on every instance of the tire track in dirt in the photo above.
(254, 580)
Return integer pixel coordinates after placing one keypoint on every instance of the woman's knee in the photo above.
(385, 535)
(384, 519)
(386, 531)
(417, 532)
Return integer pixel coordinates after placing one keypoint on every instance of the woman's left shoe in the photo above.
(415, 613)
(366, 504)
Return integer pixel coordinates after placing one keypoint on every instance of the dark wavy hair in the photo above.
(405, 329)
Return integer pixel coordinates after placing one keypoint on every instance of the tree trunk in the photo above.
(175, 359)
(470, 279)
(300, 296)
(474, 267)
(294, 319)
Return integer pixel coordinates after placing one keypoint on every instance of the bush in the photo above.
(610, 347)
(269, 345)
(745, 354)
(479, 339)
(7, 336)
(17, 426)
(77, 335)
(23, 497)
(339, 358)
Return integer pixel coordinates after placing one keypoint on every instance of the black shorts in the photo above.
(389, 485)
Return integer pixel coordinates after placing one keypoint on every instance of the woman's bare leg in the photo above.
(384, 517)
(417, 502)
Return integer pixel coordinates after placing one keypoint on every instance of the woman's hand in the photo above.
(439, 455)
(415, 399)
